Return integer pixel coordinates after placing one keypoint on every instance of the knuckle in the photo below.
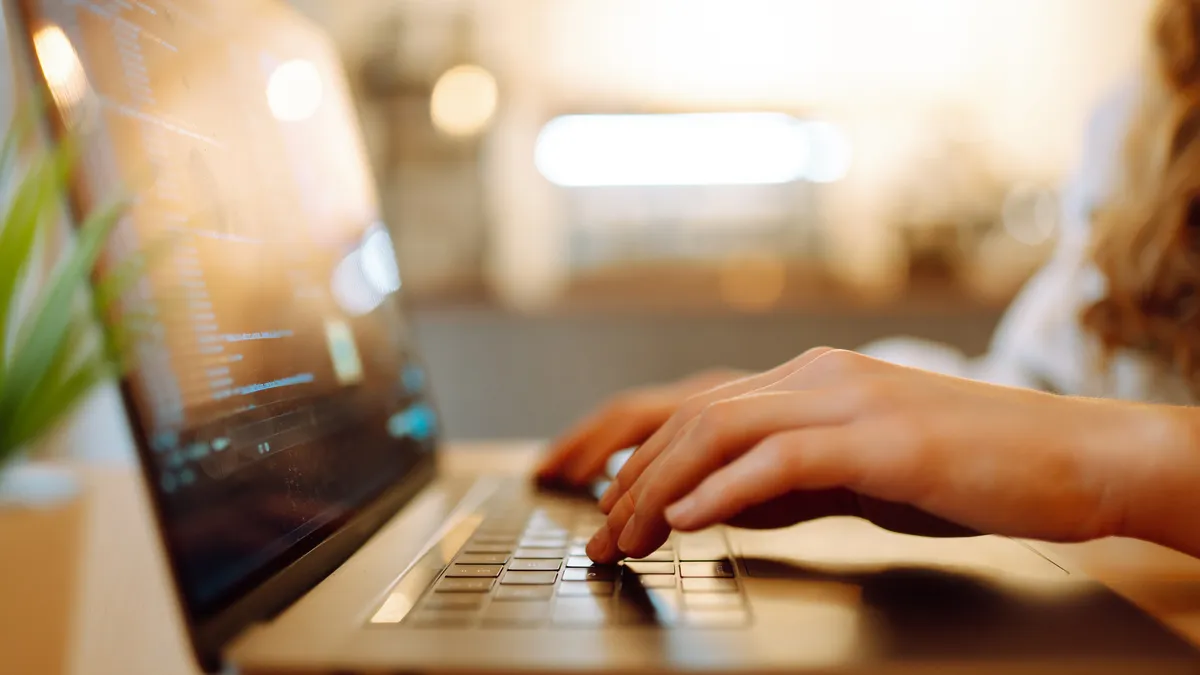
(776, 451)
(838, 362)
(712, 422)
(872, 394)
(813, 353)
(692, 406)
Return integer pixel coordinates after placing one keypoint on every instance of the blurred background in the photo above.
(578, 209)
(588, 195)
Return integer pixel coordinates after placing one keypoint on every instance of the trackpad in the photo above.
(851, 545)
(963, 600)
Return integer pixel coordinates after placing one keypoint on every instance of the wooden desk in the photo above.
(128, 623)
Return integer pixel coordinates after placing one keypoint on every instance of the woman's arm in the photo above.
(838, 433)
(1038, 343)
(1164, 502)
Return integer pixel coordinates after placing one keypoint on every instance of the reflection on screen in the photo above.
(277, 394)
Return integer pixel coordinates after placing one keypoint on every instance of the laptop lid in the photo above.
(280, 410)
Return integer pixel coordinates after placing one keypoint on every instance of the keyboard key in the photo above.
(558, 553)
(547, 532)
(705, 546)
(549, 514)
(544, 542)
(651, 581)
(594, 573)
(465, 585)
(721, 569)
(702, 553)
(548, 565)
(482, 559)
(579, 561)
(530, 578)
(474, 570)
(454, 601)
(579, 588)
(699, 585)
(552, 530)
(524, 593)
(650, 567)
(653, 607)
(472, 547)
(712, 600)
(593, 611)
(517, 612)
(716, 618)
(658, 556)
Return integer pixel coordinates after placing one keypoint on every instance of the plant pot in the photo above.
(41, 543)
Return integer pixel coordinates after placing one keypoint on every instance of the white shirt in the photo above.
(1040, 342)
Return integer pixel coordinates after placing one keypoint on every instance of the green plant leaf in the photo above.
(35, 200)
(124, 275)
(18, 130)
(66, 357)
(44, 332)
(54, 403)
(121, 339)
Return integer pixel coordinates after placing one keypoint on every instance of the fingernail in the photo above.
(598, 546)
(629, 535)
(681, 511)
(609, 498)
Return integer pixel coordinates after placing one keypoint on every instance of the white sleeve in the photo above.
(1038, 341)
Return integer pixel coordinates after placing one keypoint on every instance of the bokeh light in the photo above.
(753, 283)
(294, 91)
(60, 65)
(464, 100)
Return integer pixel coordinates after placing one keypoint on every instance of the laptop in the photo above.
(290, 446)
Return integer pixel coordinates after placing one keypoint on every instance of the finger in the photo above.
(602, 548)
(649, 450)
(723, 432)
(591, 457)
(566, 446)
(624, 422)
(795, 507)
(821, 458)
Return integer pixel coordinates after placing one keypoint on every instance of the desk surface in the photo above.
(127, 622)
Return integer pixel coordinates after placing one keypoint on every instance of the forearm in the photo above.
(1162, 503)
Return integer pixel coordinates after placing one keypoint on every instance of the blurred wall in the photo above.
(499, 375)
(1015, 79)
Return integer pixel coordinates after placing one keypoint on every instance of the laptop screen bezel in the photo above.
(282, 583)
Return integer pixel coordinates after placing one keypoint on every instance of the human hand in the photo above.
(625, 421)
(838, 433)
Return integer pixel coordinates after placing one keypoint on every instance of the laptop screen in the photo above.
(277, 393)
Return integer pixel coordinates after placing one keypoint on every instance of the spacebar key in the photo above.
(585, 611)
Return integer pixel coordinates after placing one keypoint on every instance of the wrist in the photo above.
(1162, 478)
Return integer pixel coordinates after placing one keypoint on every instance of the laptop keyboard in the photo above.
(526, 568)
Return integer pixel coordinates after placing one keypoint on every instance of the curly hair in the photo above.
(1147, 234)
